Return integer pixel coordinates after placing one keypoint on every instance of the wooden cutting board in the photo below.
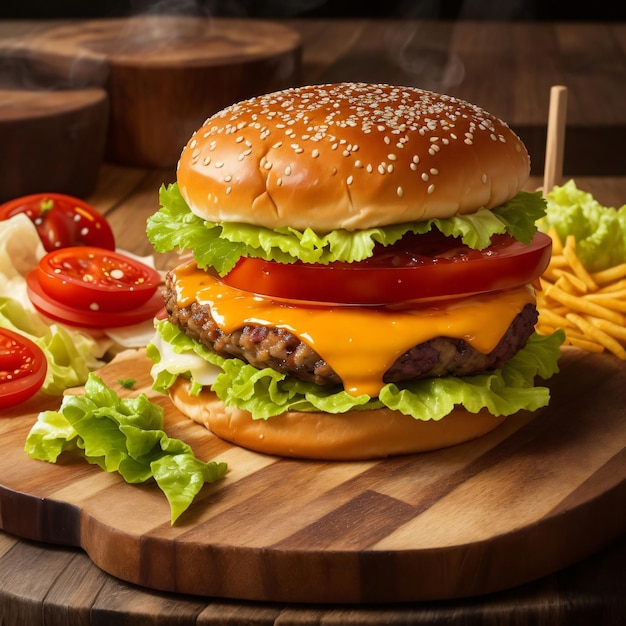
(537, 494)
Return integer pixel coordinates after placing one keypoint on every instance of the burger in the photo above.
(359, 274)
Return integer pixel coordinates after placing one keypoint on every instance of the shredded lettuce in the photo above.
(123, 435)
(600, 231)
(70, 355)
(221, 244)
(265, 393)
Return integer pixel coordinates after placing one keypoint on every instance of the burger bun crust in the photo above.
(349, 156)
(355, 435)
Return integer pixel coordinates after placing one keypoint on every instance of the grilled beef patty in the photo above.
(266, 346)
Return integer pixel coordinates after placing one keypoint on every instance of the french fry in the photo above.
(619, 332)
(609, 342)
(610, 275)
(589, 306)
(569, 252)
(613, 287)
(615, 301)
(571, 283)
(581, 305)
(557, 244)
(587, 345)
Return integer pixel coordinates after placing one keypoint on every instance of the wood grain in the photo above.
(163, 74)
(534, 496)
(507, 67)
(51, 141)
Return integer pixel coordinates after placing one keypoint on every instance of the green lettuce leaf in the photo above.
(600, 231)
(265, 393)
(123, 435)
(220, 245)
(70, 354)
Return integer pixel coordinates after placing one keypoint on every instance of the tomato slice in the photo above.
(23, 368)
(62, 221)
(95, 288)
(418, 267)
(97, 279)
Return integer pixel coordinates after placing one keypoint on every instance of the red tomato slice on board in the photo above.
(62, 221)
(418, 267)
(23, 368)
(92, 287)
(97, 279)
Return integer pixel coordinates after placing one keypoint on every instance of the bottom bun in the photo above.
(315, 435)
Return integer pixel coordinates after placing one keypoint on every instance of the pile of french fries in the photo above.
(590, 307)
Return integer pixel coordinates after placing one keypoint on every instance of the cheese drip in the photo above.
(359, 343)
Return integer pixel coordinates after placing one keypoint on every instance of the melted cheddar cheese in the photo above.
(359, 343)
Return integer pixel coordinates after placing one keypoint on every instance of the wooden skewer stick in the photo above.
(557, 115)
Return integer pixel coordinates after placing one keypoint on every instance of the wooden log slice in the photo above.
(52, 141)
(166, 74)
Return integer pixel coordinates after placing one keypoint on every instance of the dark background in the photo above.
(567, 10)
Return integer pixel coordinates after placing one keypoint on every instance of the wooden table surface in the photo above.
(54, 585)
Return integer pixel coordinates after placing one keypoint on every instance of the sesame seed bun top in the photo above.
(351, 156)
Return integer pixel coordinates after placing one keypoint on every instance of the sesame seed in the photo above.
(400, 192)
(319, 113)
(228, 190)
(288, 170)
(430, 189)
(349, 180)
(425, 177)
(228, 178)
